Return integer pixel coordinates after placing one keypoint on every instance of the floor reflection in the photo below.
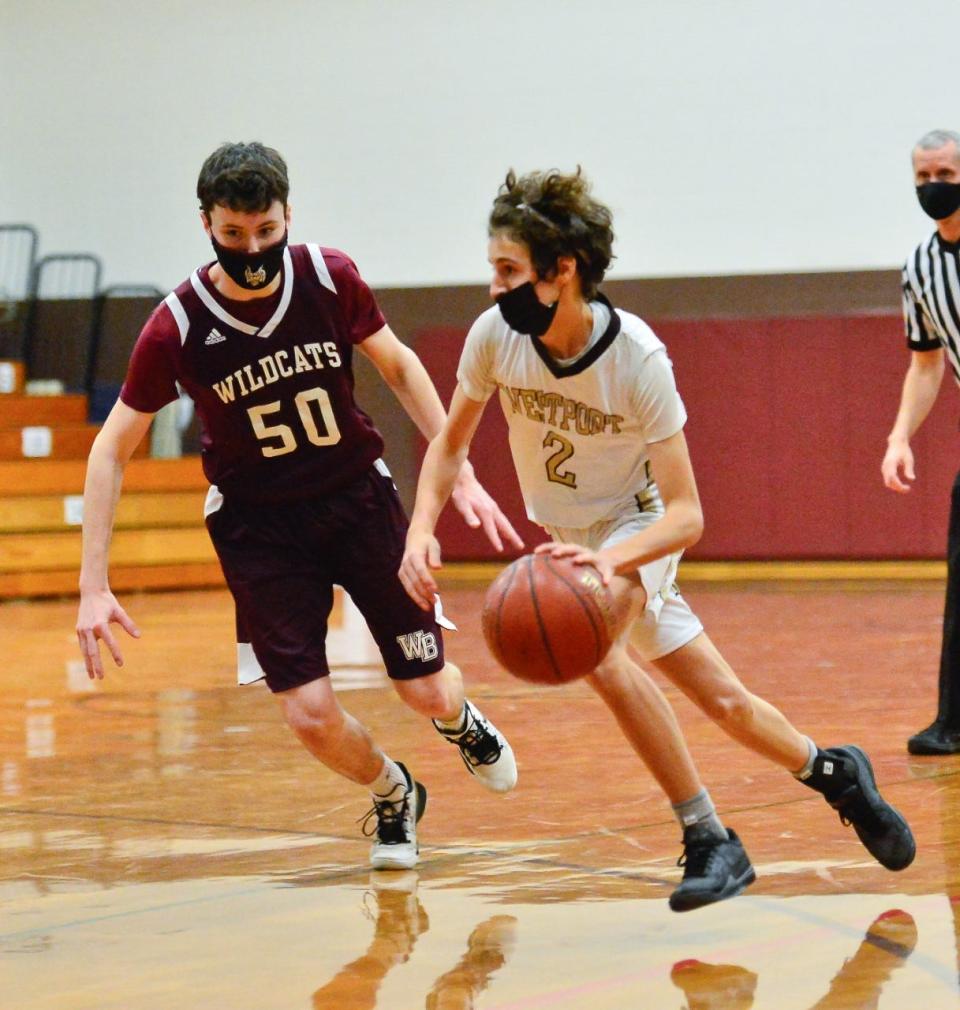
(858, 985)
(399, 918)
(168, 819)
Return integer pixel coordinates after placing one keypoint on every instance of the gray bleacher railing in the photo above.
(119, 314)
(121, 311)
(61, 317)
(18, 254)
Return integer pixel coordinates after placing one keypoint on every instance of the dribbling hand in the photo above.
(580, 556)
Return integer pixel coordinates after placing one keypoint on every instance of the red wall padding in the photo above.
(788, 425)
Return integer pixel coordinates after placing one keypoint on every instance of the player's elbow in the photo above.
(692, 525)
(397, 370)
(107, 450)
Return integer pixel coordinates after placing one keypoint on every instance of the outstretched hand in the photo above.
(580, 555)
(98, 610)
(420, 559)
(480, 510)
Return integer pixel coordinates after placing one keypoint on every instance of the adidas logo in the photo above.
(214, 337)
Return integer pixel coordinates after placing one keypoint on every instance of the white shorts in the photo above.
(667, 622)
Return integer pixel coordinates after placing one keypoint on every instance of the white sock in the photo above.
(456, 725)
(387, 781)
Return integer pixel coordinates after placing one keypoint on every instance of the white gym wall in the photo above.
(728, 136)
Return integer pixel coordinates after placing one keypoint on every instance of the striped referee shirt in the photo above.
(931, 298)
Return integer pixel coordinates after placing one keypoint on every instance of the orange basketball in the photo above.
(548, 620)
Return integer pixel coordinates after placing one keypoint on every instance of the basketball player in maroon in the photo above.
(300, 500)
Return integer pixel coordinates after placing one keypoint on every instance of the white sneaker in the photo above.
(484, 750)
(395, 845)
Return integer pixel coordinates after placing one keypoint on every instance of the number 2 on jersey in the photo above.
(563, 453)
(283, 432)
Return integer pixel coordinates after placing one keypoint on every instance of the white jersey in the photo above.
(579, 429)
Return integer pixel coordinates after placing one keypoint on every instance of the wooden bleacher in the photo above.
(159, 540)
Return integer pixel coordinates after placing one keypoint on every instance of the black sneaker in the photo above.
(845, 777)
(936, 739)
(713, 869)
(393, 820)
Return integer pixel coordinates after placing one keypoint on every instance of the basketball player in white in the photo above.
(596, 435)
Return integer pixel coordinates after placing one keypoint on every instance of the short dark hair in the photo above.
(244, 177)
(554, 215)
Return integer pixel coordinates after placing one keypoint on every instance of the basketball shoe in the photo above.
(936, 739)
(844, 776)
(714, 986)
(393, 821)
(484, 750)
(713, 869)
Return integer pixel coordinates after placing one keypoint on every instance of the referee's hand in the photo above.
(898, 460)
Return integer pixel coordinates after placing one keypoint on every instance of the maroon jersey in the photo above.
(271, 378)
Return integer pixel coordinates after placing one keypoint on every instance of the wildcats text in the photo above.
(280, 364)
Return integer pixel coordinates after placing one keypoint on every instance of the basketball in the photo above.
(547, 620)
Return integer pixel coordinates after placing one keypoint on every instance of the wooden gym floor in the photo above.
(164, 841)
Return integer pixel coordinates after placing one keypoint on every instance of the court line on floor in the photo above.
(561, 839)
(341, 874)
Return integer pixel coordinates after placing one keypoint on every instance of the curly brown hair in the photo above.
(243, 177)
(554, 215)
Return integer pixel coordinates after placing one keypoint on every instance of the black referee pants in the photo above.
(948, 710)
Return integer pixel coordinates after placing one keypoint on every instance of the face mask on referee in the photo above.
(939, 199)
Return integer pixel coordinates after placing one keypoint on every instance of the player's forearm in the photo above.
(100, 494)
(438, 475)
(920, 388)
(417, 394)
(680, 527)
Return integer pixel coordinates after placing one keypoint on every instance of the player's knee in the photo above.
(731, 708)
(611, 672)
(436, 695)
(310, 716)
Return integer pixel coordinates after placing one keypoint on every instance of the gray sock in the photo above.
(698, 817)
(807, 770)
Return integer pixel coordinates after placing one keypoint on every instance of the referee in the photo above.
(931, 311)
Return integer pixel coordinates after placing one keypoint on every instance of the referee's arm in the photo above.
(920, 388)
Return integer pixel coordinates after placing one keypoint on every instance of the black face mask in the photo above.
(524, 312)
(252, 271)
(939, 199)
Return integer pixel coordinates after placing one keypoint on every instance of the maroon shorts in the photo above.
(282, 561)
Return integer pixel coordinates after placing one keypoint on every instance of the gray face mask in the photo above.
(524, 312)
(939, 199)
